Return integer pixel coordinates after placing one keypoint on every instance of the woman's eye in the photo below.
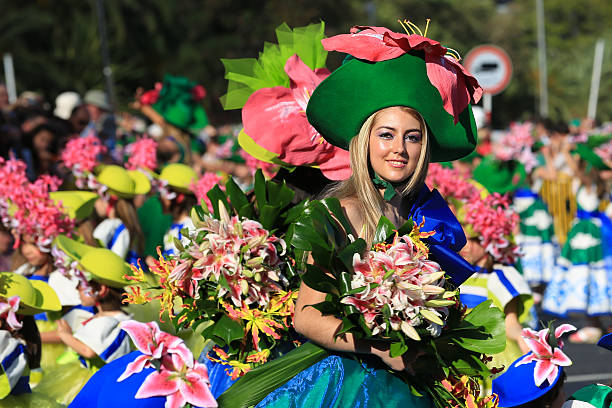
(413, 137)
(386, 135)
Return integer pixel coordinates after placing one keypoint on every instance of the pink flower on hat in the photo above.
(275, 118)
(456, 86)
(142, 154)
(548, 358)
(451, 183)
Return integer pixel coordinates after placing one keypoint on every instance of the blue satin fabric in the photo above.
(449, 237)
(338, 382)
(217, 375)
(103, 391)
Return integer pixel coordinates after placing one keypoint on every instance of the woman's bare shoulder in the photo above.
(353, 212)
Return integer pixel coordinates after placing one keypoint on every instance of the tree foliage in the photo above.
(55, 43)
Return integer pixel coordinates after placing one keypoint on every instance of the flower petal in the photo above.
(560, 358)
(142, 334)
(159, 384)
(542, 370)
(176, 400)
(564, 328)
(134, 367)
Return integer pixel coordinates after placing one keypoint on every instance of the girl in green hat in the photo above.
(99, 339)
(120, 230)
(390, 104)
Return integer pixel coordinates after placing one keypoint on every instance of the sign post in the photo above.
(492, 67)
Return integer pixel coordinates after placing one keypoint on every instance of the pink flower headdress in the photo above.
(8, 312)
(142, 155)
(177, 376)
(546, 352)
(492, 220)
(516, 144)
(81, 156)
(456, 86)
(27, 207)
(451, 183)
(275, 118)
(604, 151)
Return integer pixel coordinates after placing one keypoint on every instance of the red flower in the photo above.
(198, 93)
(150, 97)
(457, 87)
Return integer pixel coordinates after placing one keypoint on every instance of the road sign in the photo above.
(491, 66)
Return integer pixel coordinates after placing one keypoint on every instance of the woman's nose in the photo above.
(398, 144)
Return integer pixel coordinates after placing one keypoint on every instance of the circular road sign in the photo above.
(491, 66)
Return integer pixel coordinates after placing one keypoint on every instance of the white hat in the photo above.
(65, 103)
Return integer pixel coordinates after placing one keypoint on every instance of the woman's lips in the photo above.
(397, 163)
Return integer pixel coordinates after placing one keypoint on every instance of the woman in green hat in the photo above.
(398, 102)
(20, 346)
(582, 281)
(100, 339)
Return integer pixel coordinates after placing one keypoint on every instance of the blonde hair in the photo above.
(127, 213)
(360, 185)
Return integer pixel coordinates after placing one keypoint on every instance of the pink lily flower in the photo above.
(457, 87)
(275, 118)
(187, 385)
(8, 311)
(548, 360)
(154, 344)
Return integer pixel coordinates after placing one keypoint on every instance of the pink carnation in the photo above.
(143, 154)
(451, 183)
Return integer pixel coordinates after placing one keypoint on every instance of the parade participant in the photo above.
(536, 379)
(20, 347)
(120, 230)
(581, 283)
(400, 125)
(489, 224)
(177, 198)
(99, 339)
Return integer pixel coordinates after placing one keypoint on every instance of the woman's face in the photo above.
(473, 251)
(88, 297)
(32, 253)
(42, 140)
(395, 144)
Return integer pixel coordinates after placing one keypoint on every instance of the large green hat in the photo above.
(341, 103)
(500, 176)
(179, 103)
(123, 183)
(35, 296)
(179, 176)
(587, 154)
(104, 265)
(78, 204)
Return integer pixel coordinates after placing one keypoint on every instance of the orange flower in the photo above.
(135, 296)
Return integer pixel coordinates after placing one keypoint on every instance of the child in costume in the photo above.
(99, 339)
(120, 231)
(20, 347)
(536, 379)
(582, 282)
(383, 107)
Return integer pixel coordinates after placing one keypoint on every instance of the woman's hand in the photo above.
(400, 363)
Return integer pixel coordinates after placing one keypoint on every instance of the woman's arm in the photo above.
(50, 337)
